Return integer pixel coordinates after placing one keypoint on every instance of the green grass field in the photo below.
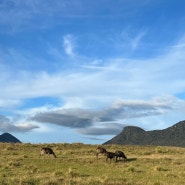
(77, 164)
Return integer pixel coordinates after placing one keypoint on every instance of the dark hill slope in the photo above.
(8, 138)
(172, 136)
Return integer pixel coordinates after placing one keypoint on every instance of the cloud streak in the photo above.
(109, 121)
(119, 78)
(8, 126)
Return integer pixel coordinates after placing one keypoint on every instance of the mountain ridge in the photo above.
(132, 135)
(8, 138)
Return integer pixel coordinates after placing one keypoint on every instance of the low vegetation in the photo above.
(77, 164)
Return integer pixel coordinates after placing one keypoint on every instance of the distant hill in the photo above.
(131, 135)
(8, 138)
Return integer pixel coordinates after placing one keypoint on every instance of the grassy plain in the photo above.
(76, 164)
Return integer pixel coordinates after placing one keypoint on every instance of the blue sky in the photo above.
(82, 70)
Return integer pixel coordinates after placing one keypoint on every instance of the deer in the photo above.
(109, 155)
(100, 150)
(120, 154)
(47, 150)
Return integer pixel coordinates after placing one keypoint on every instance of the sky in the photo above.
(81, 70)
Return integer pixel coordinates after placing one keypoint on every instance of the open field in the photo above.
(76, 164)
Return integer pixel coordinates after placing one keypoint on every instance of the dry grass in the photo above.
(76, 164)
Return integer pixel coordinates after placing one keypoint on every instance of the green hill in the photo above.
(172, 136)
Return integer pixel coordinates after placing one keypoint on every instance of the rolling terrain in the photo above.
(172, 136)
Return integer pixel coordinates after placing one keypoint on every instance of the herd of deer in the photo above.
(100, 150)
(110, 155)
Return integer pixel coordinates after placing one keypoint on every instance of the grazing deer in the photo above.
(100, 150)
(47, 150)
(109, 155)
(120, 154)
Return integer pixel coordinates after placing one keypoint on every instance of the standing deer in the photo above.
(47, 150)
(100, 150)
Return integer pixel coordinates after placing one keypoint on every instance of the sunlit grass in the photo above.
(77, 164)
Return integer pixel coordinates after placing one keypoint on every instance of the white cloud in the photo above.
(24, 127)
(133, 83)
(135, 41)
(111, 120)
(6, 125)
(68, 42)
(117, 78)
(9, 102)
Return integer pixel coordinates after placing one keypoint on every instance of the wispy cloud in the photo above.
(6, 125)
(86, 95)
(136, 41)
(128, 77)
(69, 44)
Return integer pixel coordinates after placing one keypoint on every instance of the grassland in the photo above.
(76, 164)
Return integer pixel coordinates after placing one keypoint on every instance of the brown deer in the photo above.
(47, 150)
(100, 150)
(109, 155)
(120, 154)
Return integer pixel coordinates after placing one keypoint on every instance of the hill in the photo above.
(131, 135)
(8, 138)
